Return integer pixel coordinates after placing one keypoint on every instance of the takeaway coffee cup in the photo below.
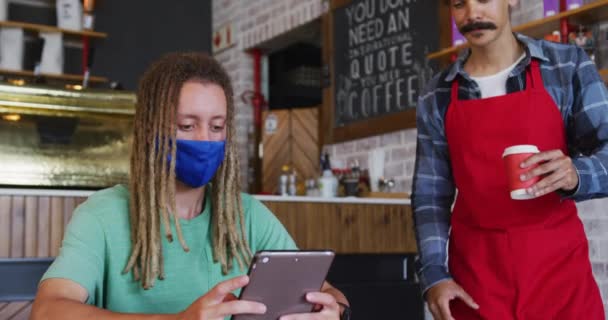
(513, 157)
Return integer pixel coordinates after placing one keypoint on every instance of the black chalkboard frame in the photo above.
(329, 133)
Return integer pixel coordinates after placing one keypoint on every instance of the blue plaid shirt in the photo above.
(574, 84)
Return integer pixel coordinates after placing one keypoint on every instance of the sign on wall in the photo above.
(379, 57)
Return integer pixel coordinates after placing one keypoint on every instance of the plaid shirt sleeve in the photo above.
(433, 190)
(588, 130)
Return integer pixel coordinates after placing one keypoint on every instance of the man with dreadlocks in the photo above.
(119, 243)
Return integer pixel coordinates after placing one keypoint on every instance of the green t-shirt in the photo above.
(97, 245)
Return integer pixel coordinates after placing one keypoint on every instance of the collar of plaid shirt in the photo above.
(530, 45)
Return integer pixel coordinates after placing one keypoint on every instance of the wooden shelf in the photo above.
(45, 28)
(586, 14)
(69, 77)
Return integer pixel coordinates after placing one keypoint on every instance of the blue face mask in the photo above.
(197, 161)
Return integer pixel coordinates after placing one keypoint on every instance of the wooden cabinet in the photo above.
(348, 227)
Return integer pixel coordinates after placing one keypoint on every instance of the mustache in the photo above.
(479, 25)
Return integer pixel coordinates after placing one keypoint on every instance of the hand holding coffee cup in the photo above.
(513, 158)
(556, 170)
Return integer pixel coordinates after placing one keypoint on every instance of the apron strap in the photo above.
(454, 90)
(533, 76)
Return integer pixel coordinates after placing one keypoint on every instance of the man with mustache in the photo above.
(508, 259)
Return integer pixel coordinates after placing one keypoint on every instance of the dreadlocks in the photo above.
(152, 183)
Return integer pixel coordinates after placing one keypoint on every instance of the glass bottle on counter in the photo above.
(311, 188)
(284, 181)
(292, 184)
(328, 183)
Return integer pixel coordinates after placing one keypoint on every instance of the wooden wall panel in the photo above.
(276, 149)
(56, 225)
(348, 228)
(5, 226)
(44, 219)
(305, 142)
(287, 218)
(17, 226)
(295, 143)
(68, 208)
(31, 227)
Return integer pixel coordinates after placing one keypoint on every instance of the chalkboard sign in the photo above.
(379, 59)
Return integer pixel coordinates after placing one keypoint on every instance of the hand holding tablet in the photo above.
(281, 281)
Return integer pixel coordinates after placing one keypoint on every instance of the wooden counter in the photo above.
(33, 226)
(356, 225)
(32, 222)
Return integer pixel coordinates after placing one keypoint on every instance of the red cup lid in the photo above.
(522, 148)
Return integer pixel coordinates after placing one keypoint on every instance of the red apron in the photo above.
(518, 259)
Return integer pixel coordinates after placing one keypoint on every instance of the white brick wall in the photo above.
(257, 21)
(399, 154)
(254, 22)
(270, 18)
(595, 218)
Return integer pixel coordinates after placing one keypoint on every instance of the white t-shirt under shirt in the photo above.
(496, 84)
